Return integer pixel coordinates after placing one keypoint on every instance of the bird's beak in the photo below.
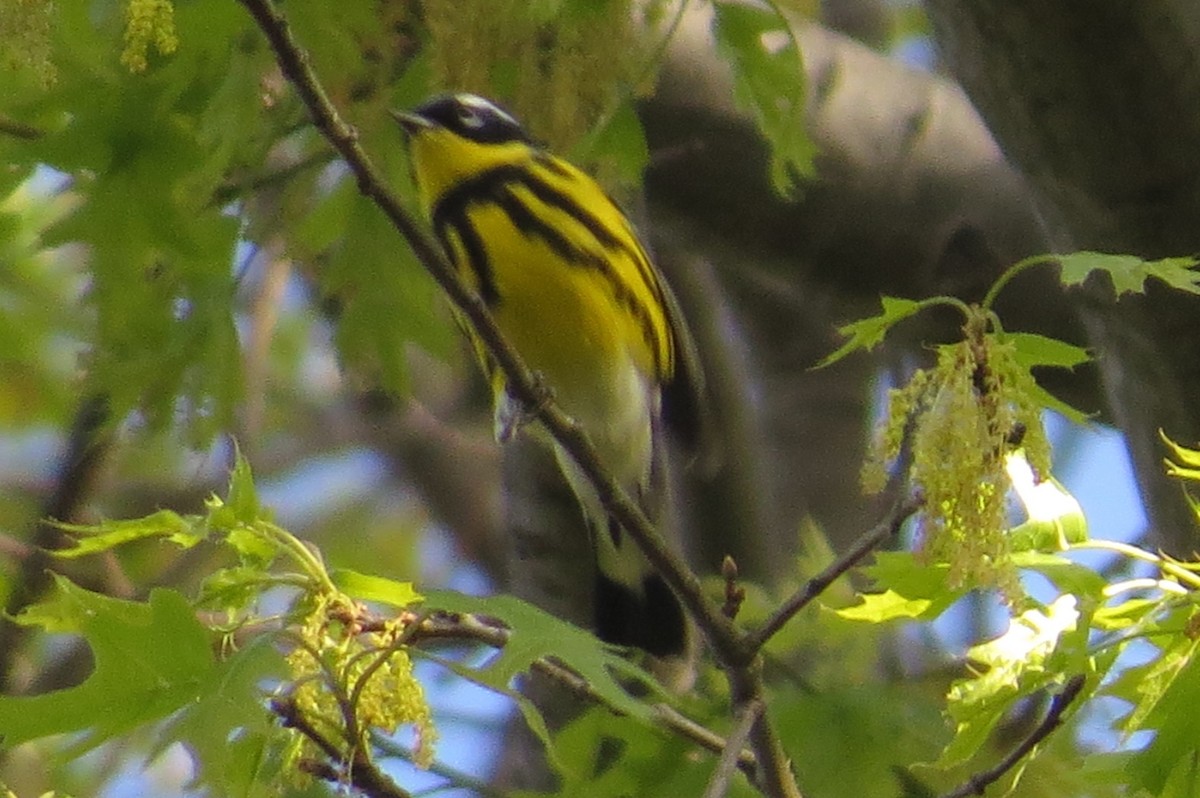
(411, 123)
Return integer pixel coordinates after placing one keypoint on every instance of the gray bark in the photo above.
(1098, 104)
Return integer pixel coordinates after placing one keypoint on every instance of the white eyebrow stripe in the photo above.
(480, 104)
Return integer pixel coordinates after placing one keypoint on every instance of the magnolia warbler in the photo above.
(572, 289)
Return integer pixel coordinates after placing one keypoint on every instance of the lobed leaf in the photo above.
(366, 587)
(183, 530)
(1129, 273)
(151, 660)
(866, 334)
(909, 590)
(1166, 765)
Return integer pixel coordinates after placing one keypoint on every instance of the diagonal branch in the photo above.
(741, 663)
(360, 772)
(873, 538)
(1054, 718)
(522, 383)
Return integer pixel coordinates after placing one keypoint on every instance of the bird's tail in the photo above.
(648, 617)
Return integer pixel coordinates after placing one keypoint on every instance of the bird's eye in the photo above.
(469, 117)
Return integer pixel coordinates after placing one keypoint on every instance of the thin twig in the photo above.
(360, 772)
(1054, 718)
(873, 538)
(686, 727)
(19, 130)
(445, 626)
(456, 778)
(718, 784)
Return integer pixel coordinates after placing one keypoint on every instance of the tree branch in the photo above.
(875, 537)
(741, 663)
(361, 772)
(718, 785)
(450, 626)
(1054, 718)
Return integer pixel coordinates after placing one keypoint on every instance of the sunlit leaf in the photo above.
(1173, 691)
(866, 334)
(908, 589)
(185, 531)
(1068, 576)
(1055, 518)
(366, 587)
(1183, 462)
(1130, 273)
(1010, 667)
(769, 82)
(890, 606)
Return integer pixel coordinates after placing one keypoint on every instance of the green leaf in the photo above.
(1023, 660)
(242, 498)
(233, 590)
(375, 588)
(1055, 518)
(868, 333)
(1156, 680)
(1182, 462)
(1126, 614)
(183, 530)
(1174, 691)
(229, 730)
(909, 590)
(1130, 273)
(1033, 351)
(618, 148)
(890, 606)
(535, 634)
(848, 740)
(151, 660)
(769, 82)
(1040, 350)
(1067, 576)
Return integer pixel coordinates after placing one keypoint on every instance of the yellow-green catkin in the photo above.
(25, 28)
(371, 669)
(559, 68)
(148, 23)
(964, 416)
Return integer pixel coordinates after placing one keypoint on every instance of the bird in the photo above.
(571, 287)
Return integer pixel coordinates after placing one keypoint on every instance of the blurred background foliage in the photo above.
(183, 263)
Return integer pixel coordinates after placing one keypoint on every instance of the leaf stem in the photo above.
(301, 554)
(1012, 271)
(948, 301)
(1165, 565)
